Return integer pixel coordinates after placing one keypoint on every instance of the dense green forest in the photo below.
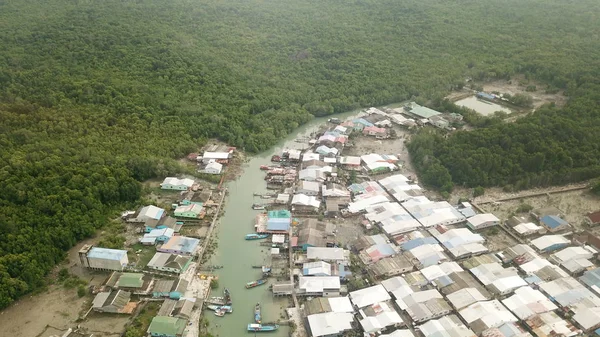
(96, 96)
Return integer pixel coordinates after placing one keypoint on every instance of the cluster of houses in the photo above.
(429, 271)
(214, 159)
(434, 275)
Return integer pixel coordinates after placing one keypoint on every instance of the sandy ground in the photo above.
(365, 145)
(515, 87)
(574, 205)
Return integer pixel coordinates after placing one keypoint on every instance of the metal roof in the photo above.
(106, 253)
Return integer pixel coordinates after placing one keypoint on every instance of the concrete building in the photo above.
(310, 237)
(574, 259)
(422, 306)
(180, 245)
(319, 305)
(177, 308)
(327, 254)
(171, 263)
(135, 283)
(377, 317)
(103, 258)
(465, 297)
(219, 157)
(481, 221)
(150, 212)
(157, 235)
(172, 183)
(591, 278)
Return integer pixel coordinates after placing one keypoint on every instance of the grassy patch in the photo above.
(140, 324)
(144, 256)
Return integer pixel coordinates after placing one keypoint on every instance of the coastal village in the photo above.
(358, 247)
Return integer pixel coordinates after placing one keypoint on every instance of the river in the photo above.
(238, 255)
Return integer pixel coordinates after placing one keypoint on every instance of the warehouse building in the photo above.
(103, 258)
(180, 245)
(171, 263)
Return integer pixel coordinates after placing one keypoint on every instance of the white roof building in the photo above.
(588, 318)
(307, 156)
(316, 268)
(379, 316)
(216, 155)
(150, 212)
(549, 241)
(363, 204)
(436, 271)
(305, 200)
(428, 254)
(423, 305)
(318, 284)
(489, 314)
(447, 326)
(482, 221)
(327, 253)
(186, 182)
(568, 292)
(399, 333)
(497, 279)
(430, 213)
(527, 302)
(394, 219)
(574, 259)
(312, 174)
(213, 168)
(340, 304)
(369, 296)
(465, 297)
(330, 323)
(527, 228)
(394, 283)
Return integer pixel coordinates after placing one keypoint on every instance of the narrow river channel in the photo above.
(237, 256)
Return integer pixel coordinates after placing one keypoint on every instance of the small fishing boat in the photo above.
(220, 312)
(276, 158)
(257, 316)
(258, 206)
(262, 327)
(212, 307)
(255, 283)
(265, 167)
(255, 236)
(227, 308)
(227, 296)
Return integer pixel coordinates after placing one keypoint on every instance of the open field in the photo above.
(518, 85)
(573, 204)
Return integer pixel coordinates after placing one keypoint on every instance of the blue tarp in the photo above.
(552, 221)
(408, 245)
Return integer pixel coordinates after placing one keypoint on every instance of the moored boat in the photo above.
(227, 296)
(255, 283)
(257, 316)
(262, 327)
(258, 206)
(220, 312)
(212, 307)
(265, 167)
(256, 236)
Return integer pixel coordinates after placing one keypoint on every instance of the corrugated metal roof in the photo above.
(106, 253)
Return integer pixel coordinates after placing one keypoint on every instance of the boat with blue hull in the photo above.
(262, 327)
(256, 236)
(257, 316)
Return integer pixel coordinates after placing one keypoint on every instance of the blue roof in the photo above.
(591, 277)
(467, 212)
(362, 121)
(408, 245)
(106, 253)
(485, 95)
(444, 281)
(278, 224)
(597, 332)
(533, 279)
(552, 221)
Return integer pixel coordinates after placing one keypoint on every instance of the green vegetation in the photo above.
(214, 283)
(140, 324)
(478, 191)
(524, 208)
(96, 96)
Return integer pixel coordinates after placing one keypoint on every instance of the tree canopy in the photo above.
(96, 96)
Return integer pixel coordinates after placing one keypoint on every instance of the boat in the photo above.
(227, 308)
(220, 312)
(255, 236)
(227, 296)
(212, 307)
(265, 167)
(334, 121)
(255, 283)
(257, 316)
(276, 158)
(258, 206)
(262, 327)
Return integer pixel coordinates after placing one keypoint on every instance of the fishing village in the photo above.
(332, 235)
